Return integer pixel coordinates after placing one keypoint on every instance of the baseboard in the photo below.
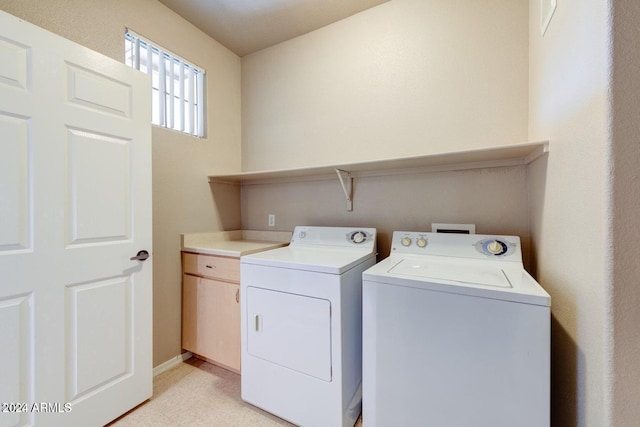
(174, 361)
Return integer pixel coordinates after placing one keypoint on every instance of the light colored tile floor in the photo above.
(197, 393)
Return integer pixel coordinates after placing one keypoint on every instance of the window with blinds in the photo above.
(177, 85)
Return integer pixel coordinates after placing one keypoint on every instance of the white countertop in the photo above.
(234, 243)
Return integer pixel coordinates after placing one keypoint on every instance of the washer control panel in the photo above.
(419, 241)
(495, 247)
(478, 246)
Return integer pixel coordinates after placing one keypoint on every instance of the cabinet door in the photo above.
(217, 321)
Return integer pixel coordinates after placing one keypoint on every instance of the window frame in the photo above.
(177, 85)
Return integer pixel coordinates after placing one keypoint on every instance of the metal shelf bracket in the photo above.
(346, 188)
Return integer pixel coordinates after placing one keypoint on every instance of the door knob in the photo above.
(142, 255)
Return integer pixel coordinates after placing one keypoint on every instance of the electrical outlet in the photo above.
(272, 220)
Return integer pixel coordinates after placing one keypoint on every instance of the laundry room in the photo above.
(516, 116)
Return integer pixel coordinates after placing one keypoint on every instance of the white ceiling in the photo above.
(246, 26)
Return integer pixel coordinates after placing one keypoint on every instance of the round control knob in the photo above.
(358, 237)
(302, 234)
(421, 242)
(495, 247)
(406, 241)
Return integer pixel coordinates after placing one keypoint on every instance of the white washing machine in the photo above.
(455, 333)
(302, 325)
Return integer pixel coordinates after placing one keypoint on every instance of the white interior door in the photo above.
(75, 205)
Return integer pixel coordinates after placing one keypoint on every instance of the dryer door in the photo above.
(290, 330)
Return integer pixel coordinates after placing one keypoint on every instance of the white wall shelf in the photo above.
(501, 156)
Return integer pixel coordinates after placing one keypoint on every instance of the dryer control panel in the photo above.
(505, 248)
(334, 236)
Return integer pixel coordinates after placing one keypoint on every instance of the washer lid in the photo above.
(487, 275)
(322, 259)
(506, 281)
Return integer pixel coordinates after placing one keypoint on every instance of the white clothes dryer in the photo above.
(455, 333)
(302, 325)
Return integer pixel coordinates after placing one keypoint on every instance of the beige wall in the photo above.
(407, 77)
(182, 199)
(493, 199)
(624, 240)
(569, 207)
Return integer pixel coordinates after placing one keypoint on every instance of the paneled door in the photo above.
(75, 206)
